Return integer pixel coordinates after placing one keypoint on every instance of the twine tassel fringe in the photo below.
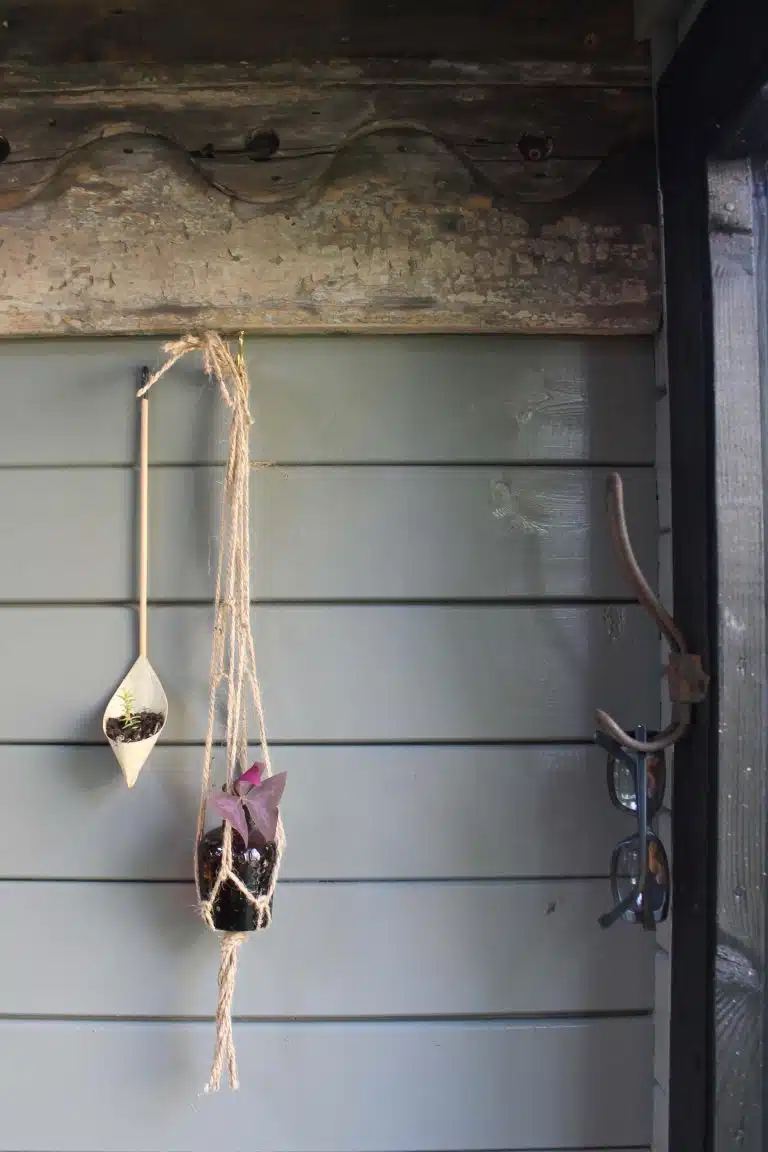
(224, 1051)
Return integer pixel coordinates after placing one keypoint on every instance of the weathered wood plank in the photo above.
(399, 234)
(741, 560)
(339, 399)
(377, 950)
(268, 143)
(19, 78)
(137, 1087)
(739, 264)
(48, 31)
(345, 674)
(466, 813)
(326, 533)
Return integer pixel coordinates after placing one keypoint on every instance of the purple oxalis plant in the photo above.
(255, 802)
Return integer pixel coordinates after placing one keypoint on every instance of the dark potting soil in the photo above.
(148, 724)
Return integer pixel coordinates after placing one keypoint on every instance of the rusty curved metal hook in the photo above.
(687, 681)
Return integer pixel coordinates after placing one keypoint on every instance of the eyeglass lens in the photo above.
(621, 783)
(625, 874)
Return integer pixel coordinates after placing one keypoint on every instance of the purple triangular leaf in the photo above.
(263, 802)
(263, 817)
(230, 808)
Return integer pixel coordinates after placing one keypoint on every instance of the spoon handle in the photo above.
(143, 521)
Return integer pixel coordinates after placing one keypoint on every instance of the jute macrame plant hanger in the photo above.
(233, 666)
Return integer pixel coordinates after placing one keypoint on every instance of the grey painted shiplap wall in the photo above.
(437, 612)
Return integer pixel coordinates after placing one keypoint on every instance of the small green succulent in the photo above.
(130, 718)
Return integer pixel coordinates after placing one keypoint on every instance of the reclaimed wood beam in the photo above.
(404, 195)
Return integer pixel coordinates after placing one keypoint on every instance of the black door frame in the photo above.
(709, 111)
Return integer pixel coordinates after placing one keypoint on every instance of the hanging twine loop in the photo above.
(233, 665)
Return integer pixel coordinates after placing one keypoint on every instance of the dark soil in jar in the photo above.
(232, 911)
(142, 726)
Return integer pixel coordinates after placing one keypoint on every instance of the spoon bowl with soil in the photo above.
(135, 717)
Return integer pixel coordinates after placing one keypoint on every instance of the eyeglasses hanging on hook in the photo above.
(640, 875)
(640, 879)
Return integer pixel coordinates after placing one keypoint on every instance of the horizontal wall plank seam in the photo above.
(342, 881)
(545, 742)
(453, 602)
(498, 1019)
(543, 463)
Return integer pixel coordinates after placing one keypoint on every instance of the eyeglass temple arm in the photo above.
(615, 749)
(608, 919)
(683, 669)
(641, 792)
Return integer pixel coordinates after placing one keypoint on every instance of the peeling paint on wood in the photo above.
(397, 236)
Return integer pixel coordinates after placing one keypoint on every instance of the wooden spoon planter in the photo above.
(133, 739)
